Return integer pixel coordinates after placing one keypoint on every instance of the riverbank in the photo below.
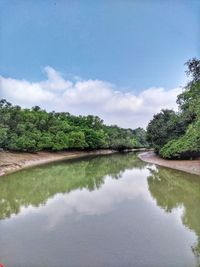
(13, 161)
(190, 166)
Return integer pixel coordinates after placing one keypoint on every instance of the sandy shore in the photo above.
(11, 162)
(190, 166)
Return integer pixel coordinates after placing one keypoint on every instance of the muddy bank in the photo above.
(190, 166)
(12, 161)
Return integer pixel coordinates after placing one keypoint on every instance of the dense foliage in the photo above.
(177, 135)
(36, 129)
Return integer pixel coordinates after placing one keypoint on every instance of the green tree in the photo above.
(178, 135)
(3, 136)
(35, 129)
(77, 140)
(162, 128)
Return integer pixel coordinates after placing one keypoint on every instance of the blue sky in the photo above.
(135, 45)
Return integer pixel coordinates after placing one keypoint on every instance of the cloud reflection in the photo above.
(132, 185)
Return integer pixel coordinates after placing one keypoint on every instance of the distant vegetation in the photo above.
(177, 134)
(172, 134)
(36, 129)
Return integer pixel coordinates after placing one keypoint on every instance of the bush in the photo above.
(188, 146)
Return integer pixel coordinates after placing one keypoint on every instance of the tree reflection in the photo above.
(35, 186)
(172, 189)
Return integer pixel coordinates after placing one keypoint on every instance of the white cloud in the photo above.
(89, 97)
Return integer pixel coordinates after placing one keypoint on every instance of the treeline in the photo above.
(177, 134)
(36, 129)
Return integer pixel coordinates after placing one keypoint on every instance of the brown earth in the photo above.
(190, 166)
(13, 161)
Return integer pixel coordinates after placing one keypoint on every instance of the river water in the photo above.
(102, 211)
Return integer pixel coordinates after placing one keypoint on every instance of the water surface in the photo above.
(100, 211)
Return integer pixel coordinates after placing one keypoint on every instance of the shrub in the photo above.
(188, 146)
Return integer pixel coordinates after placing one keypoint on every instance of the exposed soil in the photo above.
(13, 161)
(190, 166)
